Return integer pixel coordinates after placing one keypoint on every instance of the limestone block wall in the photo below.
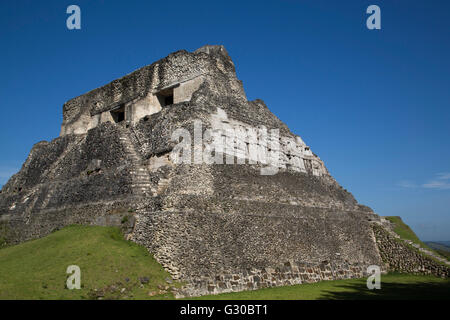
(181, 70)
(83, 123)
(144, 107)
(210, 238)
(399, 257)
(183, 92)
(285, 274)
(42, 222)
(217, 251)
(72, 179)
(262, 145)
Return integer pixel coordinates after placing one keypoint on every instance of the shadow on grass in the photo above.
(391, 291)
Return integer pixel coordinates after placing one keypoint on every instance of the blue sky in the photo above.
(373, 104)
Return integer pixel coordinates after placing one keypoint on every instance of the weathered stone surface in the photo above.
(220, 227)
(400, 257)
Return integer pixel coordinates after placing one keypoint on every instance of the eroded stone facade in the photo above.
(219, 227)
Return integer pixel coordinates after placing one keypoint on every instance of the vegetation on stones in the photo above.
(405, 232)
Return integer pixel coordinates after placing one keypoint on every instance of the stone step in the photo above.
(162, 184)
(142, 184)
(142, 193)
(142, 178)
(145, 189)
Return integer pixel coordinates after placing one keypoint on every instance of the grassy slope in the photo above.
(443, 253)
(440, 248)
(37, 269)
(405, 232)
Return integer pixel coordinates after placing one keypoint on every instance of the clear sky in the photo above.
(373, 104)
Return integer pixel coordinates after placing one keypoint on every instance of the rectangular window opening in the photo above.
(118, 115)
(165, 97)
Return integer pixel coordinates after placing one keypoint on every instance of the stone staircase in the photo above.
(162, 185)
(142, 185)
(47, 198)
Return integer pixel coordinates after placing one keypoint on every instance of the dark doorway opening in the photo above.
(168, 100)
(118, 115)
(165, 97)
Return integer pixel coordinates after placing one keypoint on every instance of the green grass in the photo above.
(405, 232)
(393, 286)
(443, 253)
(439, 248)
(37, 269)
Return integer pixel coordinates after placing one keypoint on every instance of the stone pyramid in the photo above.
(223, 194)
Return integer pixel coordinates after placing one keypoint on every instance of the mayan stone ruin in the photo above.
(224, 225)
